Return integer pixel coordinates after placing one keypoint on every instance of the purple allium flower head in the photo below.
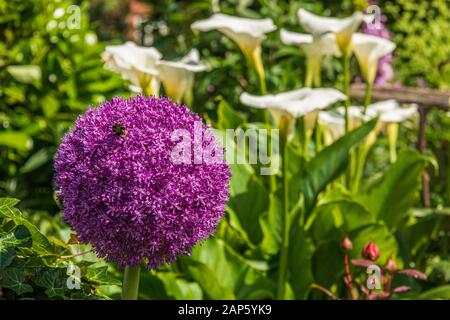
(122, 192)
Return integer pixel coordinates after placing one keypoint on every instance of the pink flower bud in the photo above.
(371, 251)
(346, 243)
(390, 265)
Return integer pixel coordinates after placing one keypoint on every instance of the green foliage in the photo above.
(422, 52)
(50, 70)
(31, 267)
(51, 73)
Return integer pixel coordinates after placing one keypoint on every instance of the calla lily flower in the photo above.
(246, 33)
(287, 106)
(342, 28)
(332, 125)
(357, 115)
(391, 114)
(136, 64)
(368, 50)
(315, 49)
(178, 76)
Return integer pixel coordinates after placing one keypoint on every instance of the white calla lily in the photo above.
(368, 50)
(136, 64)
(332, 125)
(342, 28)
(391, 115)
(246, 33)
(357, 116)
(287, 106)
(315, 49)
(178, 76)
(391, 112)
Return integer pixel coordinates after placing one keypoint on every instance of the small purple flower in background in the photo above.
(385, 72)
(122, 192)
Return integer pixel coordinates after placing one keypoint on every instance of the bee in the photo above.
(119, 130)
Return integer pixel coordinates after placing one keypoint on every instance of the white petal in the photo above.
(318, 25)
(317, 99)
(253, 27)
(371, 47)
(137, 64)
(357, 113)
(383, 106)
(289, 37)
(323, 45)
(190, 62)
(398, 114)
(334, 123)
(296, 102)
(272, 101)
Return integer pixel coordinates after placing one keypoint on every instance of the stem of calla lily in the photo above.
(368, 95)
(255, 62)
(317, 75)
(346, 65)
(130, 285)
(318, 136)
(284, 251)
(392, 134)
(309, 75)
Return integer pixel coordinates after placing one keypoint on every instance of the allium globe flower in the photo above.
(122, 192)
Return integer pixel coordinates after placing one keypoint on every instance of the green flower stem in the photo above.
(284, 250)
(263, 90)
(359, 168)
(362, 150)
(318, 136)
(368, 95)
(346, 65)
(130, 286)
(392, 135)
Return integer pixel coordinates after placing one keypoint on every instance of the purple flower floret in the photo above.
(121, 190)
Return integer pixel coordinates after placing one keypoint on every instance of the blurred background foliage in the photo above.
(50, 72)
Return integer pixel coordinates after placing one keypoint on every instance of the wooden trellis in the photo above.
(426, 99)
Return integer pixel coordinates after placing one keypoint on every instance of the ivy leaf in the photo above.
(101, 276)
(53, 280)
(41, 245)
(6, 257)
(14, 279)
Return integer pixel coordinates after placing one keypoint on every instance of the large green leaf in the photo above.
(333, 219)
(227, 265)
(378, 233)
(397, 191)
(329, 164)
(208, 280)
(228, 118)
(245, 185)
(249, 206)
(299, 264)
(442, 292)
(271, 224)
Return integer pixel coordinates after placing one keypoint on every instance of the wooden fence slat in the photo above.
(424, 97)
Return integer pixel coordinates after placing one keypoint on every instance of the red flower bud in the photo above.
(346, 243)
(390, 265)
(371, 251)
